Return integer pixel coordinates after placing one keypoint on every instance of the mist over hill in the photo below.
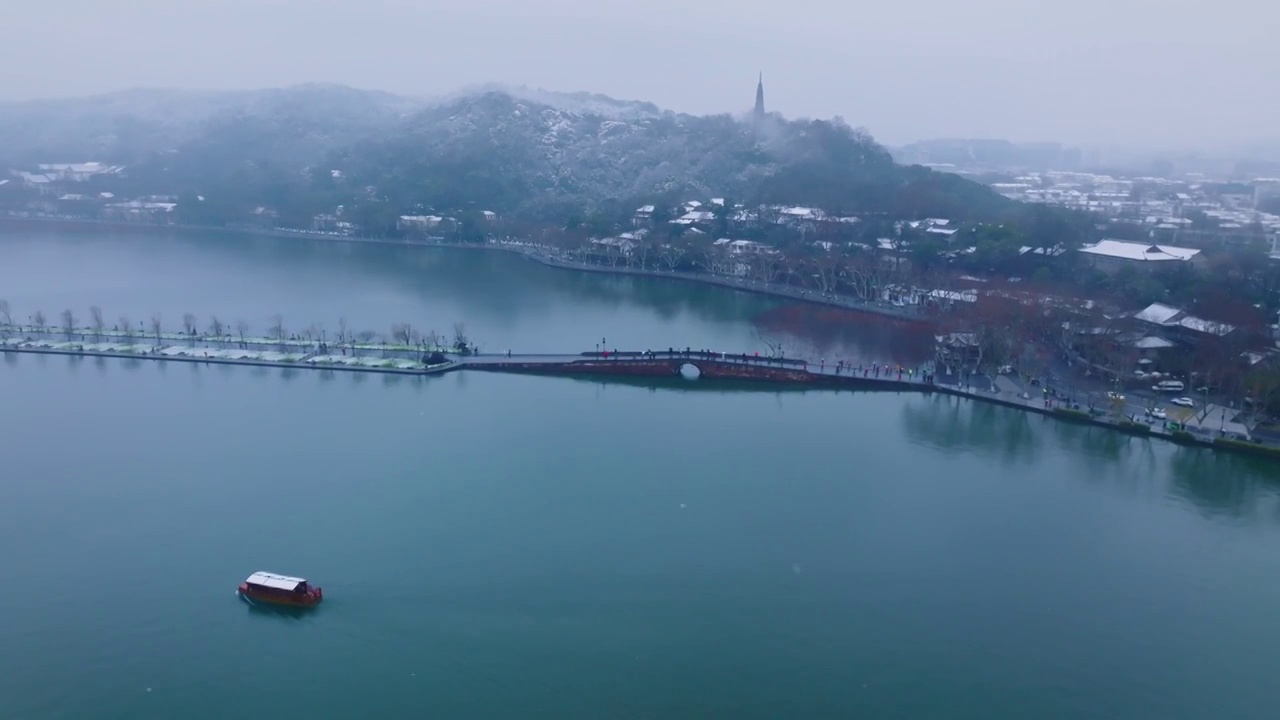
(305, 149)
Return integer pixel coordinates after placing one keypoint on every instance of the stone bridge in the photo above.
(691, 365)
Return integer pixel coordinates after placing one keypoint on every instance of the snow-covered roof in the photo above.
(1208, 327)
(143, 205)
(1139, 252)
(1054, 251)
(962, 296)
(1157, 314)
(645, 209)
(1152, 342)
(271, 580)
(75, 167)
(957, 339)
(698, 216)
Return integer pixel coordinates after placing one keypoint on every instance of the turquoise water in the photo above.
(506, 546)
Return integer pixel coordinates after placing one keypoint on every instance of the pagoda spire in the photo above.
(759, 113)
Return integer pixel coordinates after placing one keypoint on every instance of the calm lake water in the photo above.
(504, 546)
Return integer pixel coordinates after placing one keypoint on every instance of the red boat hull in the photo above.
(310, 598)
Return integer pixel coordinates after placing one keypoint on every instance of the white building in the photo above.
(418, 222)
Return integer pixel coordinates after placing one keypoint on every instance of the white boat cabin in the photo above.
(277, 582)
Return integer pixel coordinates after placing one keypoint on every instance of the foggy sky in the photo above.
(1152, 73)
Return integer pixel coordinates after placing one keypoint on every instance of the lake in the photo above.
(514, 546)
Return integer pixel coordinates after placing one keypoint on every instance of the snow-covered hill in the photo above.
(507, 149)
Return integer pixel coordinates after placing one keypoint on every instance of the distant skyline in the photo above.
(1140, 73)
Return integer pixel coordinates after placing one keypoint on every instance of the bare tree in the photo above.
(5, 318)
(639, 255)
(126, 327)
(68, 323)
(825, 271)
(95, 318)
(864, 274)
(365, 337)
(460, 342)
(433, 340)
(766, 267)
(415, 338)
(189, 325)
(216, 328)
(242, 329)
(670, 256)
(401, 333)
(343, 333)
(38, 320)
(277, 328)
(774, 346)
(156, 327)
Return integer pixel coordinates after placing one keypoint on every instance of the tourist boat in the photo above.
(280, 590)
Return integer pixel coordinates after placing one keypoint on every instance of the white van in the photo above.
(1168, 386)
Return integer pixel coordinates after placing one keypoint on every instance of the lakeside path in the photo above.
(701, 365)
(541, 254)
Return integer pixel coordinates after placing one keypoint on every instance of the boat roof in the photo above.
(272, 580)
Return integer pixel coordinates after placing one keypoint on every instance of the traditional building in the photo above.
(1111, 255)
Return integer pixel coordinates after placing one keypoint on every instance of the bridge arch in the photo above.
(689, 371)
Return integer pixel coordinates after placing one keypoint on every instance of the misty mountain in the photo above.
(990, 154)
(306, 149)
(579, 102)
(511, 152)
(129, 126)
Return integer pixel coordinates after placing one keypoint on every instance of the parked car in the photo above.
(1112, 395)
(1183, 402)
(1005, 370)
(1157, 413)
(1169, 386)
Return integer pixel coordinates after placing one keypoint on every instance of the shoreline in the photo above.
(764, 373)
(542, 256)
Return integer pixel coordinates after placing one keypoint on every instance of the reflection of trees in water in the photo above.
(502, 284)
(668, 298)
(838, 334)
(1221, 484)
(955, 424)
(1214, 482)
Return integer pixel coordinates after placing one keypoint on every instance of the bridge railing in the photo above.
(690, 354)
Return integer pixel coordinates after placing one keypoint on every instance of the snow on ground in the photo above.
(359, 361)
(179, 351)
